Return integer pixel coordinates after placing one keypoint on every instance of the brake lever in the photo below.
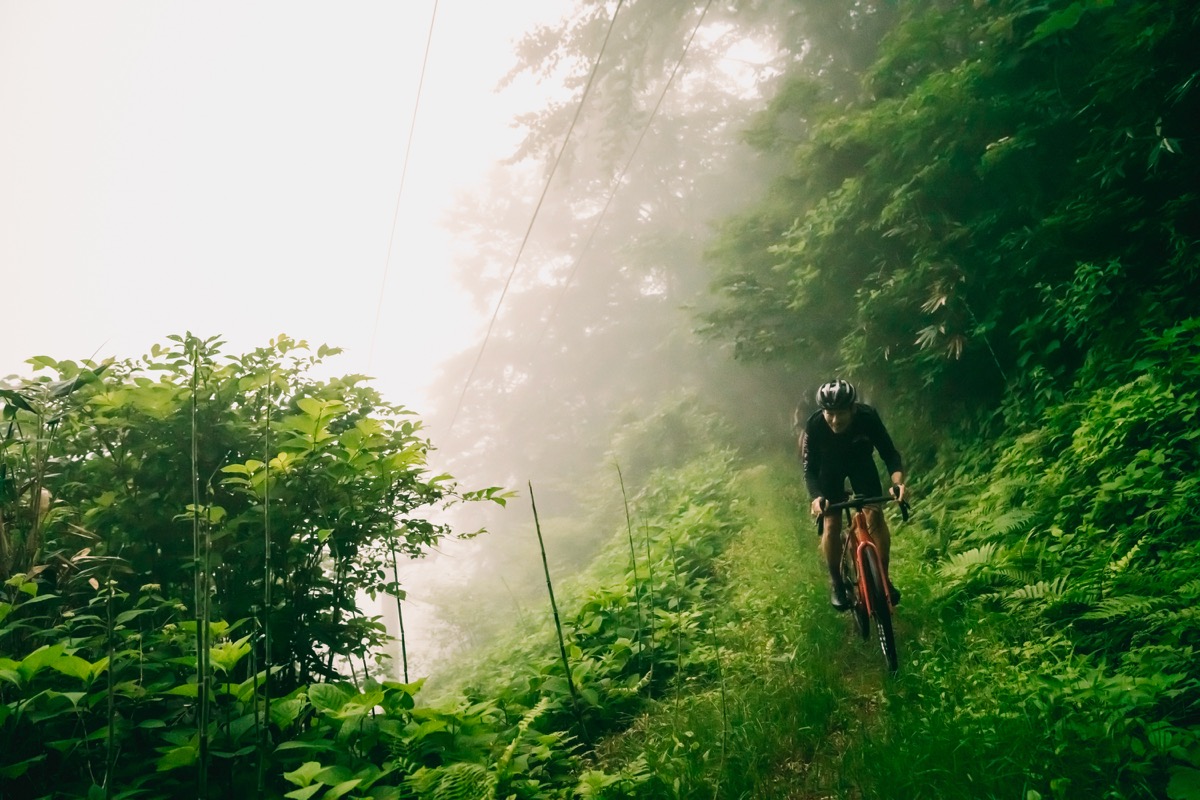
(821, 519)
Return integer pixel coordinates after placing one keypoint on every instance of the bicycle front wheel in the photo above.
(881, 610)
(858, 603)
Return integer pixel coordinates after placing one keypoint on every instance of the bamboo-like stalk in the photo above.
(268, 579)
(200, 583)
(649, 592)
(339, 588)
(400, 612)
(637, 586)
(678, 627)
(562, 647)
(724, 716)
(110, 750)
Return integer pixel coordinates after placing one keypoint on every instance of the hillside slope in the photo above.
(1040, 657)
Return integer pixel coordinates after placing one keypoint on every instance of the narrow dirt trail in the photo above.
(838, 666)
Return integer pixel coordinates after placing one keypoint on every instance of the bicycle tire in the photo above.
(858, 603)
(880, 609)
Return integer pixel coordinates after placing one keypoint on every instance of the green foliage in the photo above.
(101, 679)
(627, 638)
(972, 224)
(993, 149)
(330, 469)
(307, 490)
(1092, 593)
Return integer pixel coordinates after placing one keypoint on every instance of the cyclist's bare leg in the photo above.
(877, 525)
(831, 547)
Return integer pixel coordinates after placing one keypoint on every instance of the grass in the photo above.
(802, 708)
(797, 690)
(796, 706)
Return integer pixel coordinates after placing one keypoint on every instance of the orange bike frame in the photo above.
(859, 537)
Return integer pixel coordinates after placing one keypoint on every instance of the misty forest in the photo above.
(986, 215)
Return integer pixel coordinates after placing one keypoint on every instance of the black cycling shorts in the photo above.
(863, 476)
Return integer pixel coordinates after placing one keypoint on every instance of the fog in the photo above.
(591, 268)
(536, 293)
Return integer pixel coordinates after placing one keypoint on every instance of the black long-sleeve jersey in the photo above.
(830, 456)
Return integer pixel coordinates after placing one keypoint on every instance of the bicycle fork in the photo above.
(864, 591)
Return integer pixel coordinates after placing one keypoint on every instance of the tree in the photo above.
(242, 484)
(597, 319)
(1009, 175)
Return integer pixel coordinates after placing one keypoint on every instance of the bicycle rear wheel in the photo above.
(880, 608)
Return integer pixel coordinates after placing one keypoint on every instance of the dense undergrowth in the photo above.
(1048, 631)
(1047, 647)
(111, 689)
(968, 233)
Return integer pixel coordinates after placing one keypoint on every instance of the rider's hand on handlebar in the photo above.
(818, 506)
(898, 492)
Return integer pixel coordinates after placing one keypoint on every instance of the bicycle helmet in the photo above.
(836, 395)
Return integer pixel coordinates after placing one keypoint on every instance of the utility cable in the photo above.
(621, 176)
(400, 192)
(533, 219)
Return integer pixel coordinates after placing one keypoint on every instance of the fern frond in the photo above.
(1123, 606)
(527, 719)
(1189, 590)
(1040, 592)
(1006, 524)
(1122, 563)
(961, 565)
(1015, 576)
(459, 781)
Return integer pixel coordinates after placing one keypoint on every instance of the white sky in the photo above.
(232, 168)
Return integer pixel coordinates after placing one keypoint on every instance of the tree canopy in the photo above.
(1008, 177)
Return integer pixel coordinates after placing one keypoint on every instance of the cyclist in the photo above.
(838, 442)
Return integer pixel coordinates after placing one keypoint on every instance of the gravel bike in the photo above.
(867, 586)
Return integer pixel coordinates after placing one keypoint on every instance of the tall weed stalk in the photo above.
(268, 581)
(562, 647)
(637, 590)
(200, 554)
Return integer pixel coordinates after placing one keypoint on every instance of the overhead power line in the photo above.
(621, 175)
(400, 192)
(533, 218)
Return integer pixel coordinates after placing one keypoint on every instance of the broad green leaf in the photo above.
(328, 697)
(305, 774)
(315, 745)
(1184, 784)
(73, 666)
(39, 659)
(319, 408)
(183, 756)
(126, 616)
(21, 767)
(227, 655)
(305, 793)
(249, 468)
(341, 789)
(1066, 19)
(284, 713)
(16, 400)
(22, 583)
